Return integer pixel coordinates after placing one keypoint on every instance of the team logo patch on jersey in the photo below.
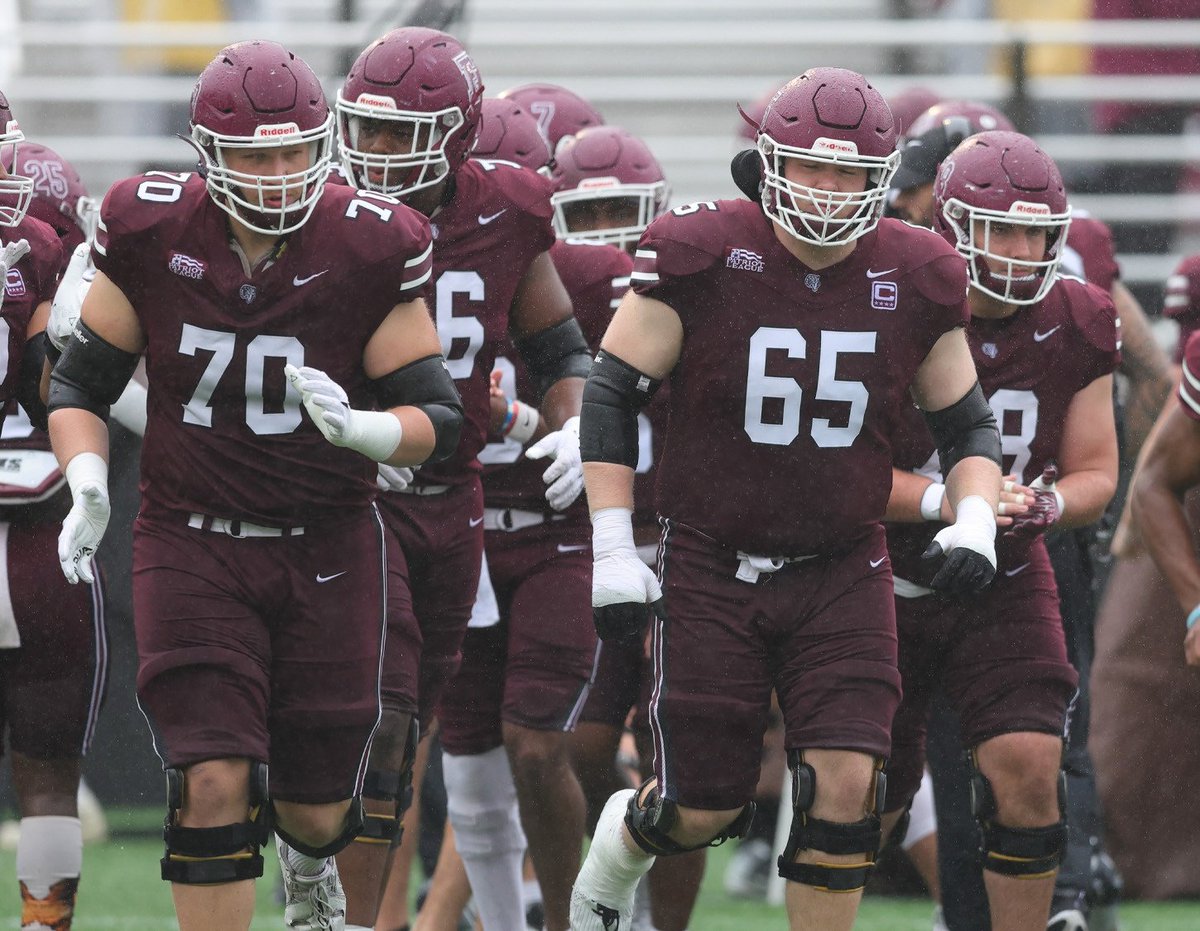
(185, 266)
(14, 284)
(812, 282)
(248, 293)
(990, 350)
(884, 295)
(744, 260)
(435, 230)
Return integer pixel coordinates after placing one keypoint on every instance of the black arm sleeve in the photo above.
(965, 428)
(614, 393)
(91, 374)
(426, 384)
(29, 384)
(557, 352)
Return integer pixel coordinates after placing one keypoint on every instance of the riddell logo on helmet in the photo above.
(1025, 208)
(276, 130)
(840, 146)
(374, 100)
(598, 184)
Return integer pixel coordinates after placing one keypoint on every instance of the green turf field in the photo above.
(121, 890)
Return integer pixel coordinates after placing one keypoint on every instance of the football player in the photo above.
(1087, 254)
(793, 326)
(1045, 347)
(288, 352)
(53, 652)
(409, 114)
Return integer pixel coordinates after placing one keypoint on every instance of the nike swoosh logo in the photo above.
(475, 521)
(298, 281)
(484, 221)
(876, 563)
(1011, 572)
(329, 578)
(1038, 337)
(571, 549)
(886, 271)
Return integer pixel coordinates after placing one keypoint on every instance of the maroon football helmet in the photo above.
(427, 87)
(59, 196)
(558, 111)
(509, 133)
(607, 163)
(16, 191)
(909, 104)
(257, 95)
(832, 116)
(981, 117)
(1002, 178)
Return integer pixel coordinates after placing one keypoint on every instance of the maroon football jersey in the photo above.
(788, 379)
(596, 276)
(1030, 367)
(1182, 301)
(1189, 382)
(226, 435)
(30, 282)
(1090, 254)
(484, 240)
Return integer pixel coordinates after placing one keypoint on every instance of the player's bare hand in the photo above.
(1015, 499)
(497, 405)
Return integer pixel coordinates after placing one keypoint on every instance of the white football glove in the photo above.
(624, 589)
(968, 547)
(68, 299)
(10, 255)
(375, 434)
(564, 478)
(393, 478)
(84, 525)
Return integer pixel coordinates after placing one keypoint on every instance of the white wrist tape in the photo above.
(86, 468)
(375, 434)
(931, 501)
(974, 510)
(612, 530)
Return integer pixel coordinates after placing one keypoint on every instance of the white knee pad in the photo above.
(922, 820)
(482, 803)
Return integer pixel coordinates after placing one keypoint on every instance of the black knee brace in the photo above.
(354, 824)
(390, 784)
(1027, 853)
(650, 824)
(225, 854)
(829, 836)
(900, 830)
